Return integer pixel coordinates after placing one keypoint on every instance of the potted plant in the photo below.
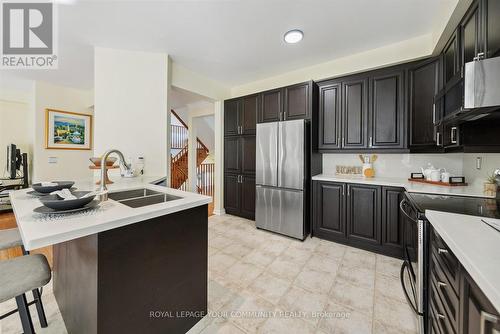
(490, 186)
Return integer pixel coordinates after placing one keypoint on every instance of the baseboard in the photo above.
(219, 212)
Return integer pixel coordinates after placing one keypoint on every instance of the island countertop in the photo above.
(40, 231)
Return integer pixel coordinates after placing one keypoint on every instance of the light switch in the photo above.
(52, 160)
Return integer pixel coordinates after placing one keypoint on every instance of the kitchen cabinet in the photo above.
(298, 101)
(392, 219)
(491, 27)
(423, 86)
(247, 185)
(451, 58)
(287, 103)
(355, 113)
(240, 115)
(330, 133)
(232, 194)
(387, 109)
(247, 154)
(359, 215)
(363, 213)
(272, 106)
(456, 304)
(239, 154)
(470, 35)
(239, 195)
(329, 210)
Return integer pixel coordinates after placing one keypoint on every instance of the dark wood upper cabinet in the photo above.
(249, 111)
(424, 85)
(247, 196)
(247, 154)
(355, 113)
(329, 210)
(330, 116)
(492, 27)
(387, 110)
(232, 155)
(451, 58)
(231, 117)
(470, 34)
(297, 101)
(363, 213)
(392, 219)
(272, 106)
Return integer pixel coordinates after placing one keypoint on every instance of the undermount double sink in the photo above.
(136, 198)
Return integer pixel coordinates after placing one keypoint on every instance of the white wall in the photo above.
(71, 164)
(490, 162)
(397, 165)
(131, 92)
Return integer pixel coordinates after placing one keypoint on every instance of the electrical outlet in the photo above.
(479, 163)
(52, 160)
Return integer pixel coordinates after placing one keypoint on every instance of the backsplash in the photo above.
(489, 162)
(397, 165)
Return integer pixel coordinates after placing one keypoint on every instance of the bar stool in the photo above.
(27, 271)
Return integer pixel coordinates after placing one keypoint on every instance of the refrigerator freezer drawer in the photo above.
(280, 210)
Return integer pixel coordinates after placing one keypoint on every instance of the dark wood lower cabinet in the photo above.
(363, 213)
(456, 303)
(239, 195)
(363, 216)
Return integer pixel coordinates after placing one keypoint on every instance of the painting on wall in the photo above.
(68, 130)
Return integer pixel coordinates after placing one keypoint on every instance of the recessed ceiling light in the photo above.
(293, 36)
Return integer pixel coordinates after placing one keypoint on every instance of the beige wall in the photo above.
(16, 127)
(71, 164)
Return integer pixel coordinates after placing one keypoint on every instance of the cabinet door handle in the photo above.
(442, 251)
(453, 135)
(441, 316)
(343, 142)
(487, 317)
(343, 192)
(442, 284)
(438, 139)
(371, 142)
(434, 113)
(348, 190)
(479, 56)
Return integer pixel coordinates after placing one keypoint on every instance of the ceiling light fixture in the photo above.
(293, 36)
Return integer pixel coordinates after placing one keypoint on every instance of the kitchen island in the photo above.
(134, 264)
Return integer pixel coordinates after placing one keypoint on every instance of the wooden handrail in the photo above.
(180, 119)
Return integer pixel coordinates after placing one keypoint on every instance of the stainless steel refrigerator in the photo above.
(281, 154)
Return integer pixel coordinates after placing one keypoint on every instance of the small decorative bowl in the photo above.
(57, 203)
(59, 185)
(109, 161)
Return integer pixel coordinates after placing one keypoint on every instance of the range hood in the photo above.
(482, 83)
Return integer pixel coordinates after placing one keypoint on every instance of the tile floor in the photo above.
(260, 282)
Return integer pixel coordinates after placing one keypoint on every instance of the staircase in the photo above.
(179, 162)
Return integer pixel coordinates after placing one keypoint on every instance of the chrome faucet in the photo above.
(103, 190)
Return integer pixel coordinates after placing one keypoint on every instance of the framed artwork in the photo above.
(66, 130)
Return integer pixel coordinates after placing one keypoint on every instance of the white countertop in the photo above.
(40, 231)
(412, 187)
(476, 245)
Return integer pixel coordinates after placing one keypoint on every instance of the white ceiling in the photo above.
(233, 41)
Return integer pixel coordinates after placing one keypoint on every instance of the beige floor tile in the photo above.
(300, 300)
(259, 257)
(248, 311)
(388, 266)
(242, 273)
(354, 257)
(333, 312)
(237, 250)
(314, 280)
(309, 243)
(276, 247)
(389, 286)
(356, 297)
(393, 313)
(220, 242)
(220, 262)
(296, 254)
(212, 251)
(384, 328)
(218, 295)
(221, 326)
(357, 323)
(269, 287)
(281, 324)
(331, 249)
(323, 263)
(284, 269)
(357, 276)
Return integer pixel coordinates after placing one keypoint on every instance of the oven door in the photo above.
(412, 272)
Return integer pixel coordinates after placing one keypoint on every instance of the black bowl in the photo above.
(57, 203)
(48, 189)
